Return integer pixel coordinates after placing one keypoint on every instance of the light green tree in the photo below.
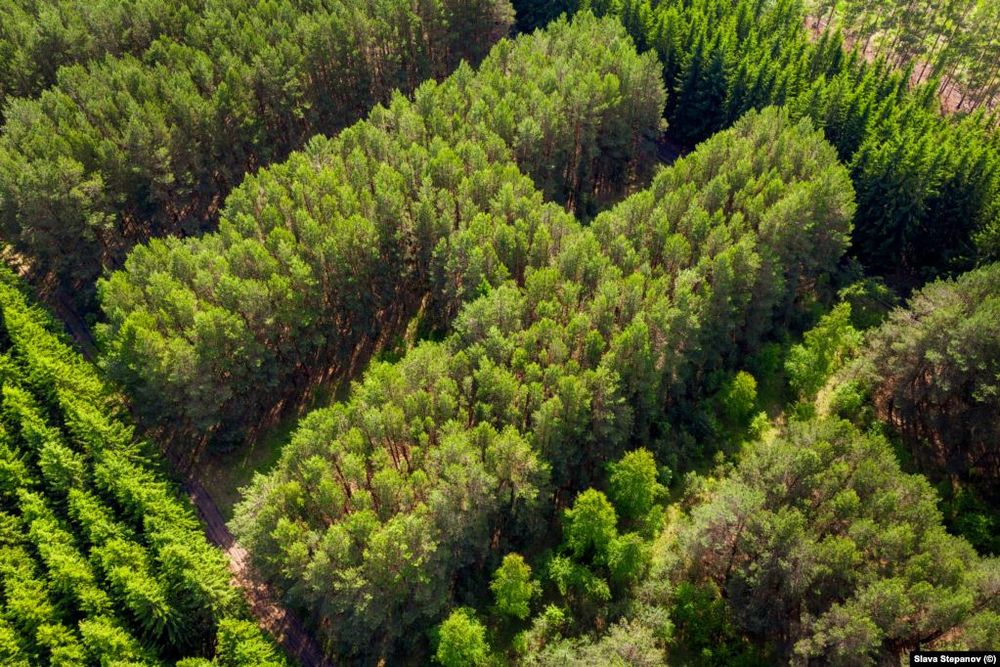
(462, 641)
(513, 588)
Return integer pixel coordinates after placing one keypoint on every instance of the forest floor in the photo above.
(225, 473)
(265, 604)
(949, 93)
(667, 150)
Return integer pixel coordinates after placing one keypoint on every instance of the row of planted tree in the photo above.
(955, 42)
(130, 147)
(100, 563)
(417, 209)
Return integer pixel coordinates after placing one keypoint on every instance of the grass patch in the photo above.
(223, 474)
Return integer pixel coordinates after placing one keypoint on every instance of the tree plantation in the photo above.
(955, 42)
(927, 186)
(498, 332)
(100, 562)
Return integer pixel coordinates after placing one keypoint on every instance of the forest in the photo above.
(499, 332)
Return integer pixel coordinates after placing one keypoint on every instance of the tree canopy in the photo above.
(663, 331)
(126, 148)
(463, 449)
(324, 257)
(820, 547)
(100, 561)
(39, 37)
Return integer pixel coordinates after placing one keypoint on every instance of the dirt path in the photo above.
(286, 628)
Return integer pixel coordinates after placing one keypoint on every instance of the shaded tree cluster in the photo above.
(322, 258)
(933, 372)
(123, 149)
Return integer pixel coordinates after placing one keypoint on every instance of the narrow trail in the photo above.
(286, 628)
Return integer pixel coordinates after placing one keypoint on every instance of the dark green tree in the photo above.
(821, 546)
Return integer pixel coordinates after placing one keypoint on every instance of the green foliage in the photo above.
(100, 562)
(967, 515)
(126, 148)
(10, 646)
(824, 350)
(705, 629)
(818, 538)
(321, 257)
(738, 398)
(628, 558)
(571, 346)
(107, 642)
(577, 584)
(596, 556)
(37, 38)
(513, 588)
(871, 301)
(590, 526)
(462, 641)
(633, 484)
(623, 644)
(241, 643)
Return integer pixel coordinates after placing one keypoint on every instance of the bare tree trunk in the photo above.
(930, 55)
(987, 91)
(893, 21)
